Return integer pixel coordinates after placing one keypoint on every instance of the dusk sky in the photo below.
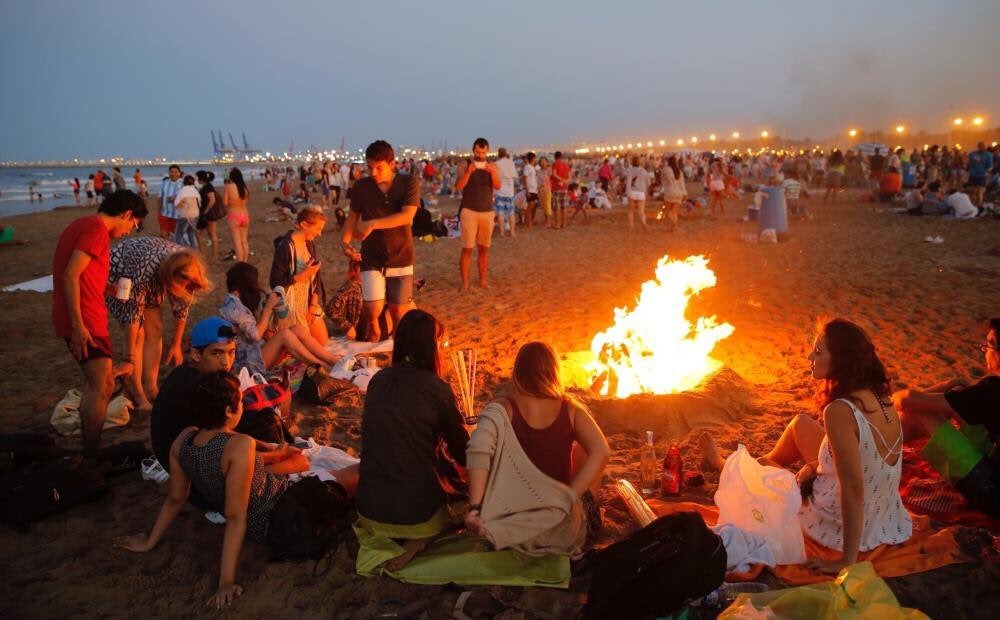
(95, 79)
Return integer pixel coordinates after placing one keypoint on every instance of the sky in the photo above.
(100, 78)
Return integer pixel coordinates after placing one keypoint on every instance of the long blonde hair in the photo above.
(189, 264)
(536, 371)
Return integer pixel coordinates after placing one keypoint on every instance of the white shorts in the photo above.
(400, 285)
(634, 194)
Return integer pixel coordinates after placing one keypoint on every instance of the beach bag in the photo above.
(308, 520)
(36, 492)
(265, 424)
(266, 395)
(66, 414)
(22, 449)
(217, 210)
(764, 501)
(653, 571)
(319, 388)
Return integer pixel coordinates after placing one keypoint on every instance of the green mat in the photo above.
(458, 559)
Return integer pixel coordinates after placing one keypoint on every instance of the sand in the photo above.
(922, 303)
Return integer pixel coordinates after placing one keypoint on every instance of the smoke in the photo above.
(874, 82)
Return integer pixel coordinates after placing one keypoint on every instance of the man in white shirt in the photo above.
(961, 204)
(503, 199)
(529, 179)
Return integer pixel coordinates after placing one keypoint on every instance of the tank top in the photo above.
(477, 195)
(550, 448)
(203, 465)
(885, 520)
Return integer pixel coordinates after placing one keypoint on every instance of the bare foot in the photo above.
(710, 454)
(412, 548)
(483, 285)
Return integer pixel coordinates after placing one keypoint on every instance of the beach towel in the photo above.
(926, 492)
(927, 549)
(38, 285)
(454, 558)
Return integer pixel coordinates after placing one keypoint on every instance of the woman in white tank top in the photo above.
(854, 459)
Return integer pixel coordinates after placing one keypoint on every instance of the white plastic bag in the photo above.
(764, 501)
(248, 380)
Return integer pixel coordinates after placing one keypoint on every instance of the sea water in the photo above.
(55, 184)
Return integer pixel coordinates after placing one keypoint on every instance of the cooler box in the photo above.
(774, 210)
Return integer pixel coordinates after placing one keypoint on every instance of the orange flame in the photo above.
(653, 348)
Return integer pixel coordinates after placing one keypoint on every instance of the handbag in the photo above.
(319, 388)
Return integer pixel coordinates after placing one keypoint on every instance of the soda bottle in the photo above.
(670, 482)
(647, 466)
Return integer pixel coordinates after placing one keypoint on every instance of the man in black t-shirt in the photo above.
(968, 456)
(212, 349)
(382, 209)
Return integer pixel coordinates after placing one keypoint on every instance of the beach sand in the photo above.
(923, 304)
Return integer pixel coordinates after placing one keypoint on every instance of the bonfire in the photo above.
(653, 348)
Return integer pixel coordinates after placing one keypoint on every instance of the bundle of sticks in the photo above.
(636, 505)
(464, 361)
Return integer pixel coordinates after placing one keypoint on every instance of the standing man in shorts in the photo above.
(382, 209)
(529, 179)
(476, 181)
(80, 276)
(168, 210)
(504, 200)
(560, 189)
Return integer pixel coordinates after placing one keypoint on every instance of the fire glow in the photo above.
(653, 348)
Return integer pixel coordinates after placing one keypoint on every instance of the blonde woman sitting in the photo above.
(526, 490)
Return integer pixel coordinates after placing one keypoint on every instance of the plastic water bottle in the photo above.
(724, 595)
(647, 466)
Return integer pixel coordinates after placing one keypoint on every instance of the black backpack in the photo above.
(265, 424)
(33, 493)
(655, 570)
(308, 520)
(22, 449)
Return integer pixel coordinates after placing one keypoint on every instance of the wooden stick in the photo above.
(463, 381)
(636, 505)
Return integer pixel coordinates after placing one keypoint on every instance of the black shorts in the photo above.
(96, 351)
(532, 197)
(977, 181)
(604, 184)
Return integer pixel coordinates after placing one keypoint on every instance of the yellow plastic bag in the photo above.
(857, 592)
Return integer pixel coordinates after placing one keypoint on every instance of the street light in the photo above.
(680, 142)
(711, 137)
(663, 142)
(736, 135)
(900, 129)
(977, 121)
(958, 122)
(694, 139)
(649, 144)
(853, 133)
(764, 134)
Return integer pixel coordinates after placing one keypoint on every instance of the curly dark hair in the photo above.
(214, 393)
(854, 364)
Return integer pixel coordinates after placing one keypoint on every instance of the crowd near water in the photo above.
(521, 474)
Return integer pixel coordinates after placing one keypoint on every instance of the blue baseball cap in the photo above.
(211, 330)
